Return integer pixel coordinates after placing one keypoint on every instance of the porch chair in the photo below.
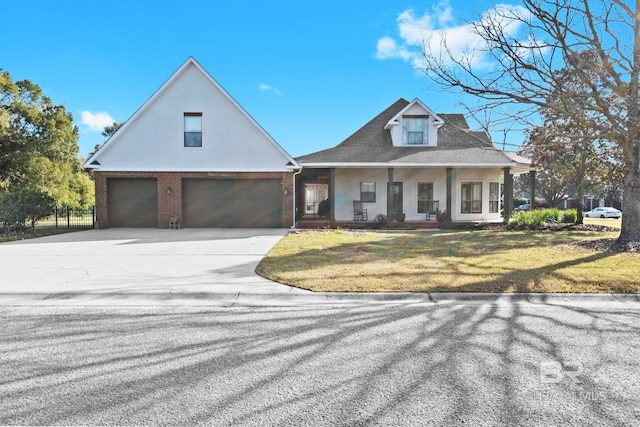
(359, 214)
(174, 222)
(433, 212)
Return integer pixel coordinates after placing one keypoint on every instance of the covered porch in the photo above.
(421, 197)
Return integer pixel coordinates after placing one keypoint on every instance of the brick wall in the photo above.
(169, 197)
(287, 200)
(100, 181)
(170, 191)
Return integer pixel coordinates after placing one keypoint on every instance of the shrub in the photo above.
(528, 219)
(548, 215)
(541, 217)
(20, 206)
(570, 216)
(381, 220)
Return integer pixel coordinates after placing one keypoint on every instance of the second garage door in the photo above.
(132, 202)
(222, 203)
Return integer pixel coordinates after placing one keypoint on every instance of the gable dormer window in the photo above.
(415, 138)
(415, 130)
(193, 130)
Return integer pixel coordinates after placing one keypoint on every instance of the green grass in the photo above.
(452, 261)
(607, 222)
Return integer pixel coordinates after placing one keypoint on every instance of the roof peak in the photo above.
(395, 120)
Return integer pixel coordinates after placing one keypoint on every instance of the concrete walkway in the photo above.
(188, 266)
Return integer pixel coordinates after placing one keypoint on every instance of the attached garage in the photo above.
(132, 202)
(192, 152)
(241, 203)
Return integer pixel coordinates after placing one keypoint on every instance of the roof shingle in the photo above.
(457, 144)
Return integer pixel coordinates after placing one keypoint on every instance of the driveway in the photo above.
(140, 261)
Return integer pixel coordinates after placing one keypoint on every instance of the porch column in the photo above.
(390, 194)
(508, 194)
(532, 183)
(332, 194)
(449, 193)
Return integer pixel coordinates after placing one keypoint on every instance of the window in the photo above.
(425, 197)
(368, 192)
(471, 197)
(193, 130)
(415, 130)
(415, 138)
(494, 197)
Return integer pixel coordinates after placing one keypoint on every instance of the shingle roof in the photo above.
(457, 144)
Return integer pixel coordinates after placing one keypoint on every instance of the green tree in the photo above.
(111, 129)
(566, 162)
(527, 45)
(39, 144)
(571, 153)
(551, 182)
(22, 205)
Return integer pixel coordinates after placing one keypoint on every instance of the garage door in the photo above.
(132, 202)
(223, 203)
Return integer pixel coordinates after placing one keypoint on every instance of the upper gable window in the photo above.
(415, 130)
(193, 130)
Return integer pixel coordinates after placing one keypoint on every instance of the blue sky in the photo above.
(311, 73)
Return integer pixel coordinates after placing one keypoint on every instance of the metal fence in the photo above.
(62, 219)
(68, 218)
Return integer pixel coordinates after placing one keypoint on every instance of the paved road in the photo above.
(362, 364)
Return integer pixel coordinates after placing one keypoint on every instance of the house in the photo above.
(192, 152)
(410, 161)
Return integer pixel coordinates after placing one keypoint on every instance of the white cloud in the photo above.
(387, 48)
(436, 29)
(267, 88)
(96, 122)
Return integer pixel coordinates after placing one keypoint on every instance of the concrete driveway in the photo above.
(140, 261)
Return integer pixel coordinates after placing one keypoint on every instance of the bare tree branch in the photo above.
(524, 57)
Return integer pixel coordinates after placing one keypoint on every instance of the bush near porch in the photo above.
(541, 217)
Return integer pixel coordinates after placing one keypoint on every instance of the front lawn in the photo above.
(606, 222)
(450, 261)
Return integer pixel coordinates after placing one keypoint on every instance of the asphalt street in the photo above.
(392, 363)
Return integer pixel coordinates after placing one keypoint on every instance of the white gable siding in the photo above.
(154, 140)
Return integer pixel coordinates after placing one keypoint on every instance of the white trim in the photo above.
(395, 120)
(417, 165)
(112, 169)
(190, 61)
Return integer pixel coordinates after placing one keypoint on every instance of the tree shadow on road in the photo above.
(367, 364)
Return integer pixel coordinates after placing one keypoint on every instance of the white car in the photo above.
(603, 213)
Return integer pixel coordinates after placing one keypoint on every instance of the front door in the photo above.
(396, 199)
